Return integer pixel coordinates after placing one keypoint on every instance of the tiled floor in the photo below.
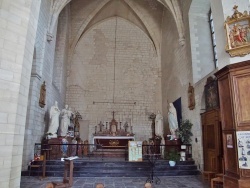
(121, 182)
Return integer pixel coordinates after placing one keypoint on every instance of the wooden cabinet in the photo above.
(212, 141)
(234, 96)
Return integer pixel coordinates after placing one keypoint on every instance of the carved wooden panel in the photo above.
(212, 141)
(234, 92)
(245, 173)
(230, 182)
(225, 103)
(230, 154)
(242, 102)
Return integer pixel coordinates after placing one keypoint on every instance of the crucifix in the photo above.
(113, 124)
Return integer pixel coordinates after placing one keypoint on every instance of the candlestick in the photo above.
(132, 119)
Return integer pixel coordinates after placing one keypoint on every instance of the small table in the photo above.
(152, 158)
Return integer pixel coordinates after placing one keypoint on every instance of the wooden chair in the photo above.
(208, 175)
(34, 165)
(217, 182)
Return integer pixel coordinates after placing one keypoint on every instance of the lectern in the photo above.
(68, 173)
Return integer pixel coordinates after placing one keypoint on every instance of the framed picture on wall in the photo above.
(211, 94)
(238, 33)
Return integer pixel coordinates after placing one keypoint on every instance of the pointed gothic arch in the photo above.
(172, 6)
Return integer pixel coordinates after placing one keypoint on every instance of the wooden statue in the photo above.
(191, 97)
(42, 95)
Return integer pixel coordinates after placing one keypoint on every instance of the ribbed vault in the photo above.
(124, 9)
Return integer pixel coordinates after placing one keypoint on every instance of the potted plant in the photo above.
(173, 156)
(184, 131)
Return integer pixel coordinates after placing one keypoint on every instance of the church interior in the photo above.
(115, 65)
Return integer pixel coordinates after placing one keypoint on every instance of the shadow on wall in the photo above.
(177, 105)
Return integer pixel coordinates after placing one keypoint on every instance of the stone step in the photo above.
(84, 168)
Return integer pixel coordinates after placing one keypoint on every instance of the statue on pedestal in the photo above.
(54, 121)
(172, 121)
(64, 147)
(159, 126)
(65, 122)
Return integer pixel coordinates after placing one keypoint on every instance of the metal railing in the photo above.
(97, 152)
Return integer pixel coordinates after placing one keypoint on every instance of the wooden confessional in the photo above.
(234, 97)
(211, 129)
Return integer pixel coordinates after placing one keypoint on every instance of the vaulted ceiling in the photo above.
(131, 10)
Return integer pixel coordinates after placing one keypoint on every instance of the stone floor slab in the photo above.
(113, 182)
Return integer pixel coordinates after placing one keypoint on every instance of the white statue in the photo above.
(65, 121)
(159, 125)
(172, 121)
(54, 120)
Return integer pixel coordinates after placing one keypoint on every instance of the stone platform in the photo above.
(116, 167)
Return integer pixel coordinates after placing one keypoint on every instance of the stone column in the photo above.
(18, 22)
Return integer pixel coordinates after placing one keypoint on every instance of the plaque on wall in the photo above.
(243, 147)
(211, 94)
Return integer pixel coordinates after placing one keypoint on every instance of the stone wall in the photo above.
(46, 67)
(201, 39)
(177, 74)
(35, 123)
(115, 65)
(18, 19)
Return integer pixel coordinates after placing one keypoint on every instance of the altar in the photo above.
(115, 135)
(113, 142)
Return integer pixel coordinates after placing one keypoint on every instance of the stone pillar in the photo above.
(18, 22)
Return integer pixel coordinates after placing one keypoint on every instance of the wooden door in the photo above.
(212, 141)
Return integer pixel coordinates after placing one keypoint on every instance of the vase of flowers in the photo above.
(173, 156)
